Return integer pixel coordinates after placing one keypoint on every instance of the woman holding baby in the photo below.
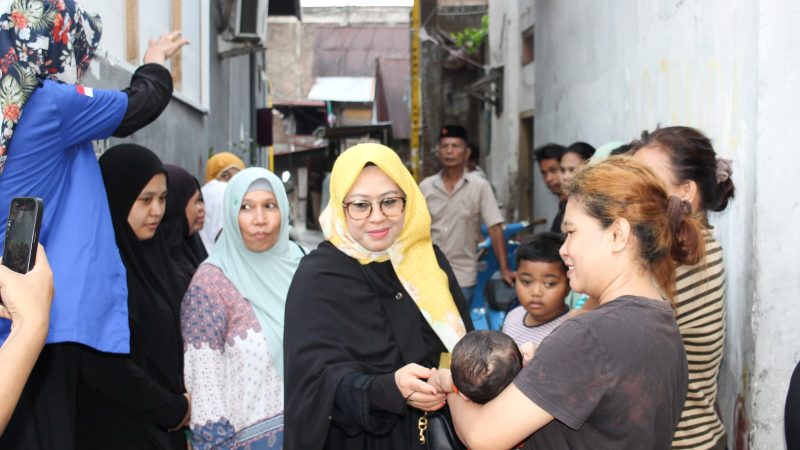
(615, 377)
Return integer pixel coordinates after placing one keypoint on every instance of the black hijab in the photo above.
(187, 251)
(154, 295)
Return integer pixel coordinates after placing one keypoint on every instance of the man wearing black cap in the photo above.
(458, 202)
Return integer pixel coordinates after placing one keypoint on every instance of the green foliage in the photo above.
(470, 39)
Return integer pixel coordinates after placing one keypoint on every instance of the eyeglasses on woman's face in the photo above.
(362, 209)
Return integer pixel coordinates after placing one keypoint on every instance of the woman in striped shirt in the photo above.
(685, 160)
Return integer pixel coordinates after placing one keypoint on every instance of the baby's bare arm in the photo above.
(442, 380)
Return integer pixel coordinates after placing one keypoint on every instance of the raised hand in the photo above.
(165, 47)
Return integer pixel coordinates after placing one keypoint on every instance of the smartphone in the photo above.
(22, 233)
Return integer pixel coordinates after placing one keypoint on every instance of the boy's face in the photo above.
(541, 288)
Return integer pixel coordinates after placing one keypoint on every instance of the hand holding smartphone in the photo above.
(22, 234)
(28, 297)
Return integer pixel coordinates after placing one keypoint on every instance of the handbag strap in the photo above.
(422, 426)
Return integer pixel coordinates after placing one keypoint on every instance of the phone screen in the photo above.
(20, 239)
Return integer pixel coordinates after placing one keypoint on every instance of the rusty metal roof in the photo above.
(351, 51)
(392, 94)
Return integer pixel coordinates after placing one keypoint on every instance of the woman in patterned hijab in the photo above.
(39, 40)
(47, 127)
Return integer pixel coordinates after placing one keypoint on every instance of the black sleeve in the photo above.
(118, 377)
(792, 413)
(367, 403)
(148, 95)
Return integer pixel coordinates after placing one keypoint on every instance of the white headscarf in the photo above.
(213, 193)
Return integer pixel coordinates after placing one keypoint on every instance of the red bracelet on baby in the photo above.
(455, 389)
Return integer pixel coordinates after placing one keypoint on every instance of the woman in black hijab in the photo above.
(180, 231)
(137, 401)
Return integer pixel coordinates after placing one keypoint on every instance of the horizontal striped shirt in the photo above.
(514, 326)
(700, 313)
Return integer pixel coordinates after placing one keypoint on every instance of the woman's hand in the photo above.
(418, 394)
(186, 418)
(165, 47)
(28, 297)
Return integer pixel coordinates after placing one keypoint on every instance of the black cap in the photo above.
(453, 131)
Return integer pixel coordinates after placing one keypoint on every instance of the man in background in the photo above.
(547, 156)
(459, 201)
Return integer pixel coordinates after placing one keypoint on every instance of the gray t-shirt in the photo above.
(614, 378)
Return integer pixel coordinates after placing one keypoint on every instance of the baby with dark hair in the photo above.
(483, 364)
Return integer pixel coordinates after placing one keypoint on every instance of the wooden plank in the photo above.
(176, 62)
(416, 91)
(132, 31)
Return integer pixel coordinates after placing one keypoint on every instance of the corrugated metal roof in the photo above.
(392, 94)
(351, 51)
(343, 89)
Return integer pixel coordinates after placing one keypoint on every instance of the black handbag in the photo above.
(436, 432)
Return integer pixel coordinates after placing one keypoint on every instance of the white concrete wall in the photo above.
(351, 15)
(112, 14)
(186, 134)
(507, 20)
(776, 313)
(607, 70)
(154, 20)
